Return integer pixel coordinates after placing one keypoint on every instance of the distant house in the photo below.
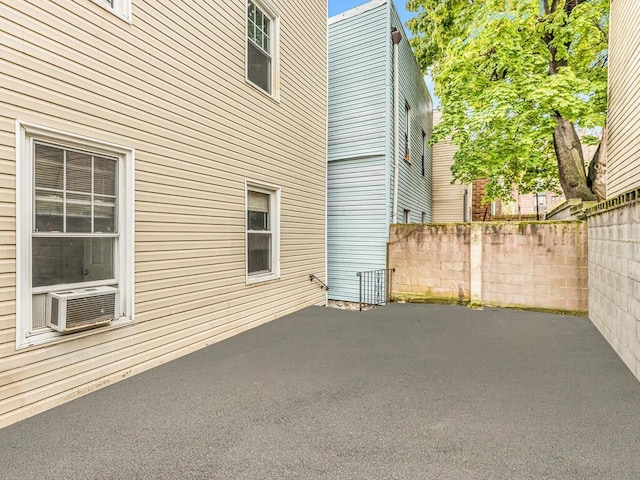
(162, 180)
(614, 225)
(452, 202)
(379, 159)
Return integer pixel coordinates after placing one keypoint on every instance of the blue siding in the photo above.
(357, 90)
(360, 155)
(357, 229)
(414, 190)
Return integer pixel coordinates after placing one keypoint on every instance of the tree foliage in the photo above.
(508, 72)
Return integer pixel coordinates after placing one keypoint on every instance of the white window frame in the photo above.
(120, 8)
(270, 11)
(274, 213)
(26, 136)
(407, 216)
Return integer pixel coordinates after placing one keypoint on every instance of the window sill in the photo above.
(122, 16)
(47, 338)
(261, 278)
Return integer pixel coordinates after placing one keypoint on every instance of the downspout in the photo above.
(396, 36)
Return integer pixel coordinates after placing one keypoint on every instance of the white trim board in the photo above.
(356, 11)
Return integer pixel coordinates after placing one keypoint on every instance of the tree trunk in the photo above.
(573, 178)
(597, 179)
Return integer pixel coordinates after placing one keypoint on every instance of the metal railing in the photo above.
(323, 286)
(375, 286)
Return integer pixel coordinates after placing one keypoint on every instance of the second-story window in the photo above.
(262, 30)
(407, 132)
(424, 150)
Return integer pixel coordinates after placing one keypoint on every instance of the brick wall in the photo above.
(614, 276)
(525, 264)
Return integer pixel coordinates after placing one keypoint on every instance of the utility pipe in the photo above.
(396, 36)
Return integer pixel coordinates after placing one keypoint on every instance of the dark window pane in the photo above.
(104, 218)
(259, 252)
(258, 67)
(78, 213)
(258, 221)
(71, 260)
(49, 214)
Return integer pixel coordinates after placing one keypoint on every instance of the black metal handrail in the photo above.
(323, 286)
(375, 286)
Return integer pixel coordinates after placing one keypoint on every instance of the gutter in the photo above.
(396, 36)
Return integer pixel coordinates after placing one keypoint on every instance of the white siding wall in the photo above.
(172, 86)
(448, 199)
(623, 152)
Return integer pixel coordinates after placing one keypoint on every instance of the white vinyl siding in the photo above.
(623, 120)
(197, 137)
(448, 198)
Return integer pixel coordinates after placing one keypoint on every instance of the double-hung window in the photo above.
(262, 240)
(262, 46)
(75, 219)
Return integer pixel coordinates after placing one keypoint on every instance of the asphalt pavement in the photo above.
(404, 391)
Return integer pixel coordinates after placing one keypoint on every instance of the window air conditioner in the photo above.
(78, 309)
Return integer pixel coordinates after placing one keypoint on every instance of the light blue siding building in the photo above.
(375, 130)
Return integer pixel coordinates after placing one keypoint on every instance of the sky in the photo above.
(338, 6)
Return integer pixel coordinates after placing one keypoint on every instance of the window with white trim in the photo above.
(262, 227)
(406, 216)
(121, 8)
(262, 46)
(75, 223)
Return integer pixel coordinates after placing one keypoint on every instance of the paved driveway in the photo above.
(399, 392)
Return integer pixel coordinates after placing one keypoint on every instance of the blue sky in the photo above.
(339, 6)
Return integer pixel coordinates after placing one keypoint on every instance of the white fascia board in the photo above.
(357, 11)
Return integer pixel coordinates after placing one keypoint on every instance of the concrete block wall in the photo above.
(431, 262)
(614, 277)
(535, 265)
(539, 265)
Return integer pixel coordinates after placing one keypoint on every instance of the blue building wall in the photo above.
(414, 188)
(360, 156)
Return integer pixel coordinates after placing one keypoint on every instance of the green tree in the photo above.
(515, 77)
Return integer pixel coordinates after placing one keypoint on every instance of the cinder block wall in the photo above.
(528, 264)
(540, 265)
(431, 262)
(614, 277)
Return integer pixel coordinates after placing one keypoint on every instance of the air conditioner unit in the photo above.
(83, 308)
